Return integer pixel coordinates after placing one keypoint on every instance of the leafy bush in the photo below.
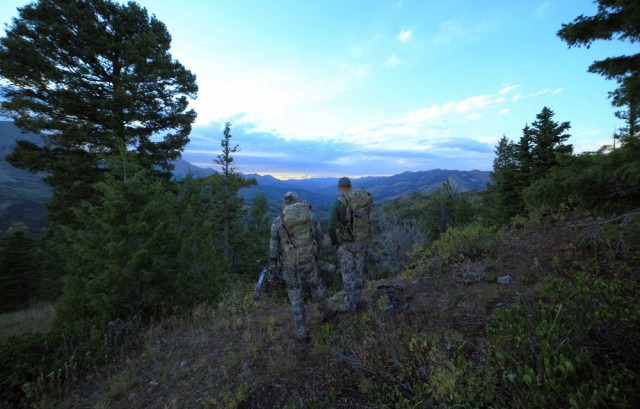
(398, 365)
(472, 242)
(143, 251)
(573, 347)
(46, 362)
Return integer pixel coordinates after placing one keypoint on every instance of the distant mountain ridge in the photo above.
(23, 194)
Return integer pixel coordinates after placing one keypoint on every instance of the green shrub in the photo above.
(472, 242)
(570, 347)
(46, 362)
(396, 364)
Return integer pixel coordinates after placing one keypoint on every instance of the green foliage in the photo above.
(503, 199)
(197, 234)
(571, 348)
(446, 209)
(472, 242)
(255, 236)
(601, 182)
(95, 77)
(137, 254)
(49, 362)
(397, 365)
(517, 166)
(614, 20)
(17, 265)
(548, 142)
(226, 186)
(124, 261)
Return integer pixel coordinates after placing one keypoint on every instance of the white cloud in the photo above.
(504, 111)
(477, 102)
(404, 36)
(517, 97)
(557, 91)
(267, 96)
(538, 93)
(416, 129)
(508, 89)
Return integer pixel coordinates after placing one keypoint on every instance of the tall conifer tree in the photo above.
(549, 139)
(615, 19)
(229, 182)
(97, 78)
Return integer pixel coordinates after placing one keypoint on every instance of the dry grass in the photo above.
(35, 319)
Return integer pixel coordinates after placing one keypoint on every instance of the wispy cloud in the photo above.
(543, 10)
(405, 36)
(538, 93)
(452, 134)
(557, 91)
(508, 89)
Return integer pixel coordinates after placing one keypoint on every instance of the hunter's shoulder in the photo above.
(276, 223)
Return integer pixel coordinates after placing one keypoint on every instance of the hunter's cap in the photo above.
(291, 197)
(344, 182)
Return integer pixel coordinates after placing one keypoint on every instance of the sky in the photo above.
(373, 87)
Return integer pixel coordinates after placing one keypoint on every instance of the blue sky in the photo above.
(331, 88)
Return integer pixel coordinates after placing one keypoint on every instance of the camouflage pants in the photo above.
(293, 279)
(352, 256)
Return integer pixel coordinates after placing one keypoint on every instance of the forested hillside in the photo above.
(139, 292)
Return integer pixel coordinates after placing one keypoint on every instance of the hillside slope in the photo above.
(242, 354)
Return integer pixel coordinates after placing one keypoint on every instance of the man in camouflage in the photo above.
(295, 272)
(351, 253)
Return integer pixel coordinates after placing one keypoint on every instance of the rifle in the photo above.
(268, 280)
(393, 302)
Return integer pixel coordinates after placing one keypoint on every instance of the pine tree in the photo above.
(96, 77)
(256, 235)
(125, 261)
(503, 192)
(198, 234)
(548, 141)
(17, 261)
(615, 19)
(228, 183)
(517, 166)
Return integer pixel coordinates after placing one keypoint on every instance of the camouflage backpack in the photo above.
(358, 203)
(301, 248)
